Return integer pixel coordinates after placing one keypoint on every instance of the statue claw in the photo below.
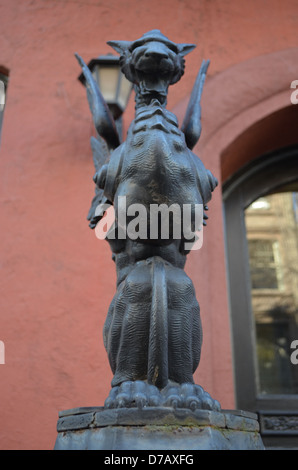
(140, 394)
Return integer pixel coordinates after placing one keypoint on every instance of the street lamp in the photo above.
(114, 86)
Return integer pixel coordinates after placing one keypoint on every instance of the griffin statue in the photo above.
(152, 332)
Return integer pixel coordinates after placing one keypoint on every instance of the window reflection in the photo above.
(264, 263)
(272, 234)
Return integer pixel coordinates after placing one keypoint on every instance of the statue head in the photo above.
(152, 63)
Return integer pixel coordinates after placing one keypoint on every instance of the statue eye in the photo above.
(173, 48)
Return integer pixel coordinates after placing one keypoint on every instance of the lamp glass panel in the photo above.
(124, 92)
(108, 82)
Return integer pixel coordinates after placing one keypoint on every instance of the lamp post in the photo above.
(114, 86)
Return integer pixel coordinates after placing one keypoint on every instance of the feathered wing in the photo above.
(100, 157)
(102, 117)
(191, 126)
(108, 139)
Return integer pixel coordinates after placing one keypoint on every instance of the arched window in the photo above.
(261, 219)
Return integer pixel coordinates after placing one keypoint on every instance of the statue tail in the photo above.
(158, 367)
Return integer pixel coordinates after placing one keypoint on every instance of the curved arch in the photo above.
(240, 105)
(275, 131)
(280, 166)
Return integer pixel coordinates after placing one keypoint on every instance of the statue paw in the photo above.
(140, 394)
(190, 396)
(133, 394)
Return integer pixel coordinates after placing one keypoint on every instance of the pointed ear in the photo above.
(120, 46)
(184, 49)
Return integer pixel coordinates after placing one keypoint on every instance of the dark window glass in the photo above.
(272, 235)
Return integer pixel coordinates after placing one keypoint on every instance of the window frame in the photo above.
(262, 176)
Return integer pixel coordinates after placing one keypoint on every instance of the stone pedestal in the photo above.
(157, 429)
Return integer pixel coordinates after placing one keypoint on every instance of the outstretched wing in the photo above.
(108, 139)
(100, 157)
(102, 118)
(100, 152)
(191, 126)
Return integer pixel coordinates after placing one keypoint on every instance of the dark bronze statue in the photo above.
(152, 332)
